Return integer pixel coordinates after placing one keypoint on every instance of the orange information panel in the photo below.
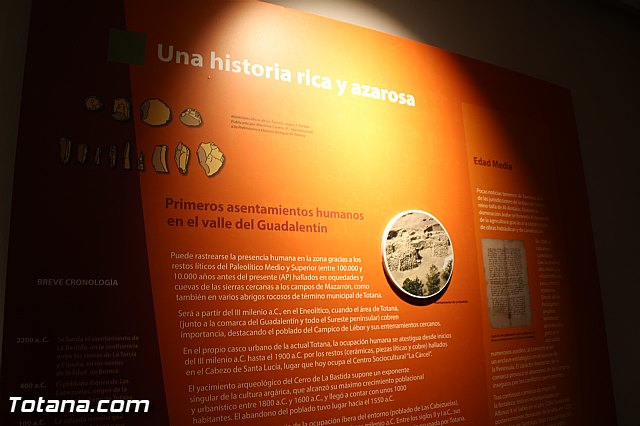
(235, 213)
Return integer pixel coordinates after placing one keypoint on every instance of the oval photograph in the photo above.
(417, 254)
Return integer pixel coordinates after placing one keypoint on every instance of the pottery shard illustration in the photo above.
(159, 159)
(191, 117)
(98, 156)
(154, 112)
(121, 109)
(127, 156)
(83, 150)
(182, 158)
(113, 156)
(65, 149)
(93, 103)
(210, 158)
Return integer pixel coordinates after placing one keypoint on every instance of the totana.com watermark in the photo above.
(41, 405)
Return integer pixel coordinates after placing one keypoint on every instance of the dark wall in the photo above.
(589, 47)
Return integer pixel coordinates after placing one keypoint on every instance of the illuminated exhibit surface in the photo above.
(200, 198)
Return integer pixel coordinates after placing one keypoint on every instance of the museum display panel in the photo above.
(242, 213)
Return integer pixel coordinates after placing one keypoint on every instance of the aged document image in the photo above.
(505, 272)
